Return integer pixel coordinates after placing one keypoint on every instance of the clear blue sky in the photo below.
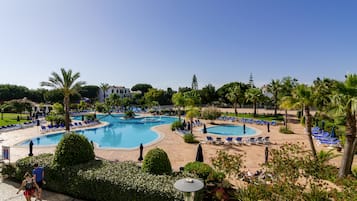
(165, 42)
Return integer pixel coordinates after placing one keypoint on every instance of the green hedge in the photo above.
(104, 180)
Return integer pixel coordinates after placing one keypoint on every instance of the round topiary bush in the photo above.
(73, 149)
(198, 168)
(157, 162)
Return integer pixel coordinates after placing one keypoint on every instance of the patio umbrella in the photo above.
(30, 147)
(266, 154)
(323, 125)
(204, 128)
(243, 128)
(268, 126)
(141, 153)
(199, 155)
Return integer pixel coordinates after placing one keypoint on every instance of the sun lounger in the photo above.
(238, 141)
(266, 140)
(218, 141)
(259, 140)
(251, 141)
(229, 140)
(209, 139)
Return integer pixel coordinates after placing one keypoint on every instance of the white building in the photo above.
(119, 90)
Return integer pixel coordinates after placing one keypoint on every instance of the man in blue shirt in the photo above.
(38, 174)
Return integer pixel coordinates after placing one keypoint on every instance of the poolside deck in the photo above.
(178, 151)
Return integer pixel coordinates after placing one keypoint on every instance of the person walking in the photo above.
(39, 174)
(30, 185)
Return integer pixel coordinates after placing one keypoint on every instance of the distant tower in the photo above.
(251, 82)
(194, 83)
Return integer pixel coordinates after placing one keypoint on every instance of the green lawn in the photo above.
(11, 118)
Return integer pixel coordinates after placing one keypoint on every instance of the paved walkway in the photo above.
(8, 191)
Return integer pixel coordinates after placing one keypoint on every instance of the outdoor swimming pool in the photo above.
(120, 133)
(231, 130)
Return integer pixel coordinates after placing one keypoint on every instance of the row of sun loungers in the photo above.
(238, 140)
(247, 120)
(50, 128)
(16, 126)
(325, 138)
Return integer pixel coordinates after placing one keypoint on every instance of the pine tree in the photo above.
(251, 82)
(194, 83)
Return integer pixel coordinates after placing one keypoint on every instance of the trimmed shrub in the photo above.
(157, 162)
(200, 169)
(55, 119)
(73, 149)
(190, 138)
(285, 130)
(176, 125)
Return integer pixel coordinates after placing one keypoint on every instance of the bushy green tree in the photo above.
(157, 162)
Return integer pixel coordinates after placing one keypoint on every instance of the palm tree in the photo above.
(114, 101)
(254, 95)
(323, 90)
(179, 101)
(275, 87)
(345, 101)
(286, 103)
(233, 95)
(192, 112)
(104, 87)
(286, 100)
(66, 82)
(304, 98)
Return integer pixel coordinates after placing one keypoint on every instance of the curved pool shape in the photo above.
(120, 133)
(231, 130)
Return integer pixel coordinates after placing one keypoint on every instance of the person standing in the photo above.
(29, 185)
(39, 174)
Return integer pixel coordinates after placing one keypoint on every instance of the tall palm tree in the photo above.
(345, 101)
(286, 103)
(191, 113)
(304, 98)
(104, 87)
(286, 100)
(68, 84)
(323, 90)
(233, 95)
(275, 87)
(179, 101)
(254, 95)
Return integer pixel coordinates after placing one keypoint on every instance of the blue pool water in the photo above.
(120, 133)
(230, 130)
